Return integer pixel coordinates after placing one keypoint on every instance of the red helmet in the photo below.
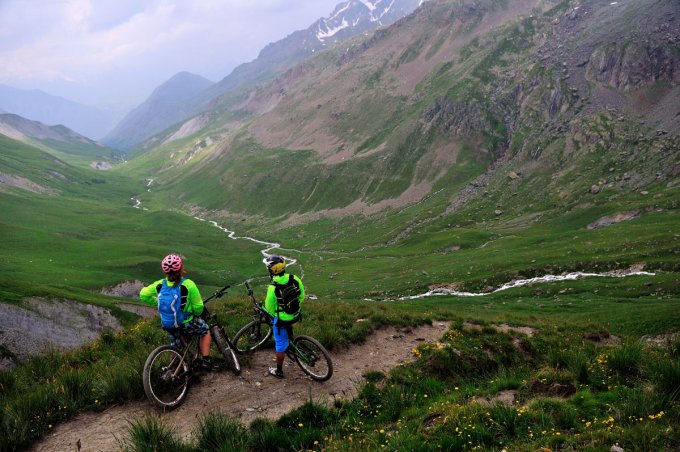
(171, 263)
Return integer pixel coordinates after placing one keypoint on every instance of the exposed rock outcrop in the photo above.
(456, 118)
(633, 65)
(45, 324)
(127, 289)
(613, 219)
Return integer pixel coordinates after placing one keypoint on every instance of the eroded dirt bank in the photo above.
(253, 394)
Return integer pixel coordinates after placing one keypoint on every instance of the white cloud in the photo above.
(105, 46)
(76, 13)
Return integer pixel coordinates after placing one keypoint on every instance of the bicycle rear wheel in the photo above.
(252, 336)
(166, 377)
(313, 358)
(224, 348)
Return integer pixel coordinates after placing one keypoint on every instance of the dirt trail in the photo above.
(253, 394)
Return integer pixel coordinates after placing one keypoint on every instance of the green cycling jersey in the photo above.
(194, 302)
(270, 303)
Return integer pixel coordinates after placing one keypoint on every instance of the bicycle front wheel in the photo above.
(224, 348)
(252, 336)
(166, 377)
(313, 358)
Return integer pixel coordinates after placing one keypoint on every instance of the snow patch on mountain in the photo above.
(342, 9)
(370, 5)
(321, 35)
(384, 11)
(352, 13)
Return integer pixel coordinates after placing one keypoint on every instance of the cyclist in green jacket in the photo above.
(283, 301)
(191, 305)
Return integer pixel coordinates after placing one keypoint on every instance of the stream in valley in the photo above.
(437, 291)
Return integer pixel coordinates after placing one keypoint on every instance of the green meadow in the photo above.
(85, 235)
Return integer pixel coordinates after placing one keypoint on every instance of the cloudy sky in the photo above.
(115, 52)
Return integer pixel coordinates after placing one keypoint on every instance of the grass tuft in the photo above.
(151, 433)
(216, 432)
(626, 360)
(666, 376)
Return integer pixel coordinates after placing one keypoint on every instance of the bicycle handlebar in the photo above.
(257, 305)
(250, 289)
(217, 294)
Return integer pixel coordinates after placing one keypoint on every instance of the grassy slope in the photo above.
(76, 152)
(441, 381)
(88, 235)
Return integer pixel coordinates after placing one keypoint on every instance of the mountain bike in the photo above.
(168, 370)
(307, 352)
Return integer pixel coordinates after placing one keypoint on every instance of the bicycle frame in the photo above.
(292, 351)
(188, 353)
(306, 351)
(168, 370)
(211, 320)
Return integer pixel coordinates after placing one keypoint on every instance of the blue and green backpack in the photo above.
(170, 305)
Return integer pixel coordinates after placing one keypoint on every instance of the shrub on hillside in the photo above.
(476, 352)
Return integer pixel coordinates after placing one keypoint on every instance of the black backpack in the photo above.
(288, 296)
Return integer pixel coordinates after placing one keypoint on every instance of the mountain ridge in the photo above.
(58, 140)
(273, 59)
(301, 44)
(40, 106)
(166, 105)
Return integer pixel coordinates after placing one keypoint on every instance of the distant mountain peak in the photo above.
(356, 16)
(166, 105)
(18, 127)
(66, 142)
(38, 105)
(180, 86)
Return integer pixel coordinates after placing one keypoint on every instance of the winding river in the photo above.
(269, 246)
(439, 291)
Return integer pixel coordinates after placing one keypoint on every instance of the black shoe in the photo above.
(205, 364)
(275, 372)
